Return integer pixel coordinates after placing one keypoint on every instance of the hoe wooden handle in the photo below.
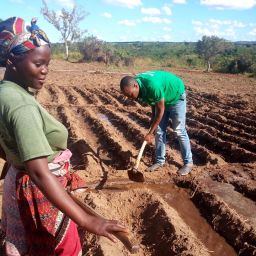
(140, 154)
(122, 236)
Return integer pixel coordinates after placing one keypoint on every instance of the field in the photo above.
(209, 212)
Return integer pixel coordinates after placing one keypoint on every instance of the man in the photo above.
(165, 92)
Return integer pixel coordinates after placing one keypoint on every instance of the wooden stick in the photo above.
(140, 154)
(122, 236)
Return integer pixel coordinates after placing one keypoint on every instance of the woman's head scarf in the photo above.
(16, 40)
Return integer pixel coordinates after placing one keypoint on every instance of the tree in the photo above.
(66, 23)
(209, 47)
(94, 49)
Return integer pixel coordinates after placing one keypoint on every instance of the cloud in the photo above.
(124, 3)
(167, 10)
(96, 33)
(228, 4)
(156, 20)
(129, 23)
(233, 23)
(238, 24)
(150, 11)
(221, 28)
(253, 33)
(179, 1)
(107, 15)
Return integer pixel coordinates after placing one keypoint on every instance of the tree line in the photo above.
(215, 53)
(211, 52)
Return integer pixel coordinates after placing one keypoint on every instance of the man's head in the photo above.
(129, 87)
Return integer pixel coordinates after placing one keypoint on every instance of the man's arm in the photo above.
(158, 114)
(153, 113)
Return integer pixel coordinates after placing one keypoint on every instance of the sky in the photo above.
(148, 20)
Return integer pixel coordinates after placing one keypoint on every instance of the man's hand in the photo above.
(149, 138)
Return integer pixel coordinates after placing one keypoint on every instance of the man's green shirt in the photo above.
(27, 130)
(157, 85)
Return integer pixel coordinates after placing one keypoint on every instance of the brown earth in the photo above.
(209, 212)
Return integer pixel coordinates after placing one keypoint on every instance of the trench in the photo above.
(246, 207)
(179, 199)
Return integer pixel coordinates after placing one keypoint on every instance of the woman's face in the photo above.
(32, 70)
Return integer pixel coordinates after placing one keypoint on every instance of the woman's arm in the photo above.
(2, 153)
(39, 173)
(6, 165)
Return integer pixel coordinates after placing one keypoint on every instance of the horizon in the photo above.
(181, 42)
(171, 21)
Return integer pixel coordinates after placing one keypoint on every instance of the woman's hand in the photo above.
(104, 227)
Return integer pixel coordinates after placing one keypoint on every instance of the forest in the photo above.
(210, 53)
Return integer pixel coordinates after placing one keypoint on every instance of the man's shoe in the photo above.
(185, 169)
(154, 167)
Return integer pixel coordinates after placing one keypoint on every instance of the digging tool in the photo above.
(122, 236)
(134, 174)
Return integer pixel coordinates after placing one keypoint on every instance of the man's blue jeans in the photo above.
(177, 113)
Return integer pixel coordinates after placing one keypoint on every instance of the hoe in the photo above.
(134, 174)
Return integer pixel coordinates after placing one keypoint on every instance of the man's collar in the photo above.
(142, 91)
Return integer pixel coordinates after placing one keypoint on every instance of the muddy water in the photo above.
(246, 208)
(103, 117)
(179, 199)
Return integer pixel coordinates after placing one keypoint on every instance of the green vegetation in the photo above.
(210, 47)
(214, 53)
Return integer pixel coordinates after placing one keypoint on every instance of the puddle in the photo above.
(104, 118)
(246, 207)
(179, 200)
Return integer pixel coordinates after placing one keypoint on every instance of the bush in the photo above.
(253, 70)
(226, 64)
(91, 49)
(242, 60)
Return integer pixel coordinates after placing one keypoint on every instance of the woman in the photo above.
(39, 217)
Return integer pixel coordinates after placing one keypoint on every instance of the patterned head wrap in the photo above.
(16, 40)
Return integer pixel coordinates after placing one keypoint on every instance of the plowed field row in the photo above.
(106, 131)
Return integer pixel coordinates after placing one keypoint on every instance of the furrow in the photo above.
(240, 142)
(216, 202)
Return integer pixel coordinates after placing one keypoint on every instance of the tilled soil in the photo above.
(209, 212)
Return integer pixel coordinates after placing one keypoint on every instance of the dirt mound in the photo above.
(150, 218)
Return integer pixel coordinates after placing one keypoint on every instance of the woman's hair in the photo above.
(16, 40)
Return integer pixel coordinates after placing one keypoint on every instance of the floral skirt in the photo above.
(31, 224)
